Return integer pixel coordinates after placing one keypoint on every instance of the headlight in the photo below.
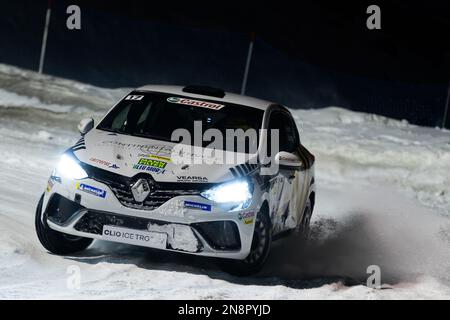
(69, 168)
(236, 192)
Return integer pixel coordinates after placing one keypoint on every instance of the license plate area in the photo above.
(143, 238)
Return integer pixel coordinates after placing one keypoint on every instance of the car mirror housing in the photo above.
(287, 159)
(85, 126)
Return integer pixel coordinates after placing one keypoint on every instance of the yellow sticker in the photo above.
(159, 157)
(49, 185)
(248, 221)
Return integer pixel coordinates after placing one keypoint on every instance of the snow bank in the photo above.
(383, 199)
(374, 149)
(11, 99)
(56, 92)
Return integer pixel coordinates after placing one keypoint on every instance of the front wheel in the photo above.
(57, 242)
(260, 248)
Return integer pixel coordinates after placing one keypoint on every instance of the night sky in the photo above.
(313, 55)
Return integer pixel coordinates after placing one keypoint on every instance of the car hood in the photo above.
(129, 155)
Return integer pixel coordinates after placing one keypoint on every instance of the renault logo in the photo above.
(140, 190)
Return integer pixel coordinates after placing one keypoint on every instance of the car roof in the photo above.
(229, 97)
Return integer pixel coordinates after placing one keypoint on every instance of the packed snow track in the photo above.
(383, 199)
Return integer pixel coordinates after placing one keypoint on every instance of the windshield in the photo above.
(157, 115)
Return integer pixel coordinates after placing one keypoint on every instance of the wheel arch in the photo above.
(264, 209)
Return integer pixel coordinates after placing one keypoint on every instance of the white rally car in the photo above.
(120, 181)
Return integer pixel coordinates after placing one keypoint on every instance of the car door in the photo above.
(285, 185)
(300, 184)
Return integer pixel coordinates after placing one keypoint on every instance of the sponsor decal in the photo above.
(50, 185)
(136, 237)
(148, 148)
(159, 157)
(148, 168)
(104, 163)
(154, 156)
(90, 189)
(151, 165)
(191, 179)
(197, 205)
(195, 103)
(156, 149)
(134, 97)
(248, 221)
(246, 215)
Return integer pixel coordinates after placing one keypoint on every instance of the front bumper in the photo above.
(214, 232)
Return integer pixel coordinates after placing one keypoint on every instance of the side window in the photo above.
(273, 124)
(289, 144)
(287, 133)
(297, 134)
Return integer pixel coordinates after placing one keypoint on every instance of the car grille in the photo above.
(164, 191)
(153, 201)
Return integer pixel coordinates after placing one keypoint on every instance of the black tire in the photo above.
(304, 230)
(57, 242)
(261, 243)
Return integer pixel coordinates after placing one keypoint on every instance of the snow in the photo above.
(375, 149)
(383, 199)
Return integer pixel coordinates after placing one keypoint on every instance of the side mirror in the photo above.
(286, 159)
(85, 126)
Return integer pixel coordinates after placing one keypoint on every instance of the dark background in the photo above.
(309, 55)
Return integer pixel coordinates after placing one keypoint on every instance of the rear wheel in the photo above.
(57, 242)
(260, 248)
